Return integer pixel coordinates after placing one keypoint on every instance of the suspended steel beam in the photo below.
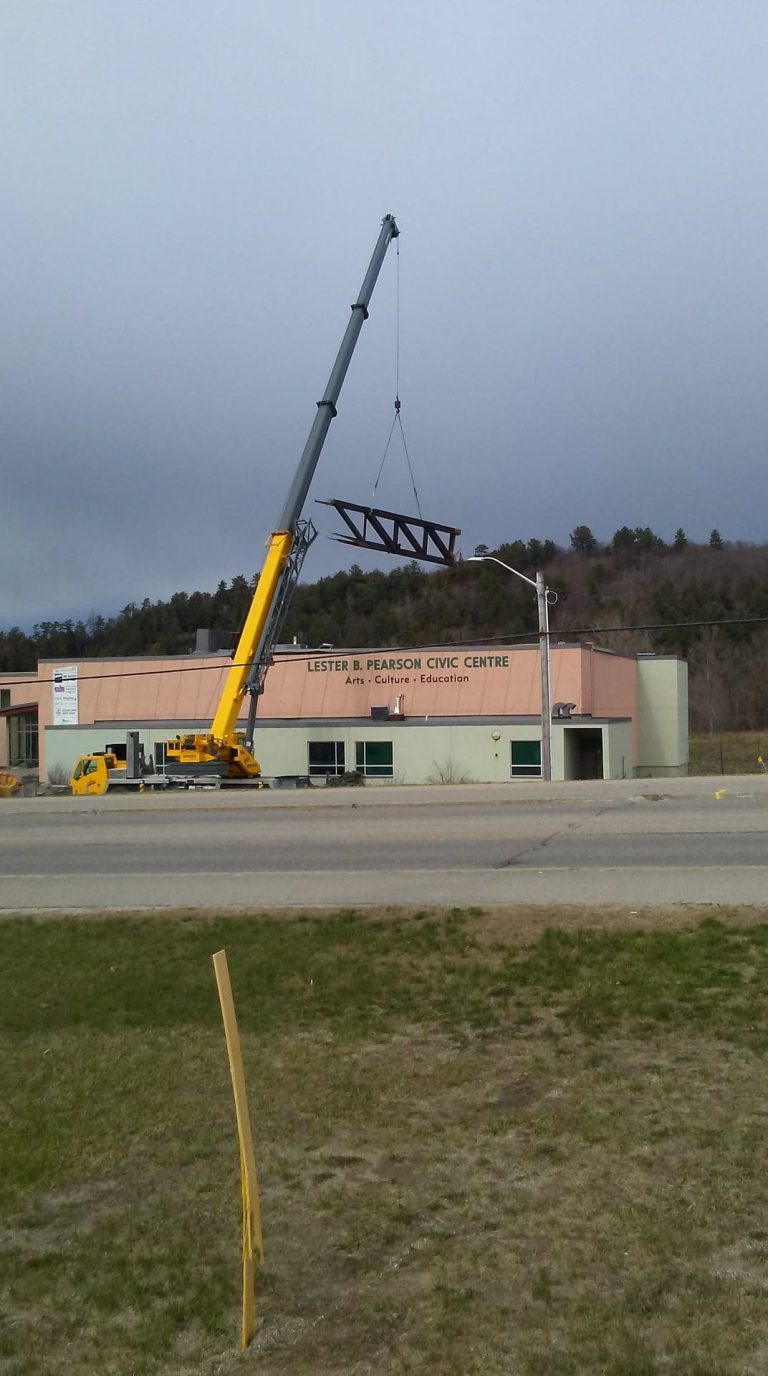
(391, 533)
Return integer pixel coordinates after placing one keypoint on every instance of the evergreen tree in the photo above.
(640, 538)
(583, 541)
(715, 540)
(681, 540)
(535, 552)
(646, 540)
(623, 539)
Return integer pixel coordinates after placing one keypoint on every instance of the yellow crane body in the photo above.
(222, 752)
(222, 744)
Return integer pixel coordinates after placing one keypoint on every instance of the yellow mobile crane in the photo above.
(222, 752)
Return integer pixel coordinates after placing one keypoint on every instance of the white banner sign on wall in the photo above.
(65, 696)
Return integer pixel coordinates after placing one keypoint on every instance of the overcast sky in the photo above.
(192, 192)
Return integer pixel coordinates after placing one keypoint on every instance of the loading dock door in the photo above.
(583, 752)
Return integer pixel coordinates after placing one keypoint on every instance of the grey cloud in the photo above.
(193, 197)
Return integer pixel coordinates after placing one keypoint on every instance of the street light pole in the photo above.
(542, 603)
(546, 707)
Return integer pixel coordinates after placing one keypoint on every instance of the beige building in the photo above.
(19, 711)
(435, 714)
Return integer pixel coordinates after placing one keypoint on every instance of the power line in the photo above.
(304, 655)
(666, 626)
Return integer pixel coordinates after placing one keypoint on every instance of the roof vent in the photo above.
(561, 711)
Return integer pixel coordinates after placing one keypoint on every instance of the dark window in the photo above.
(325, 757)
(5, 698)
(22, 738)
(526, 759)
(374, 758)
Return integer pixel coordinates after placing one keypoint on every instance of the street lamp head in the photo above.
(492, 559)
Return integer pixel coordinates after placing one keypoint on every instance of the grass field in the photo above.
(486, 1145)
(729, 752)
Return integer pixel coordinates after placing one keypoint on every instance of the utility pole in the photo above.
(542, 602)
(546, 706)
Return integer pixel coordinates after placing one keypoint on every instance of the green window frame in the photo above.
(525, 759)
(375, 759)
(5, 698)
(325, 758)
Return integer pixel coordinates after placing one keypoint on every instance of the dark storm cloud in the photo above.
(193, 194)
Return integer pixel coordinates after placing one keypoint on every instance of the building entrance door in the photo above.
(583, 752)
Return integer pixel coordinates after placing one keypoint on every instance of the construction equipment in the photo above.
(9, 784)
(221, 753)
(116, 766)
(100, 771)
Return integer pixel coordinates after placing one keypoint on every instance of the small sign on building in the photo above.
(65, 711)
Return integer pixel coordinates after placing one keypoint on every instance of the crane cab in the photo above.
(98, 773)
(117, 766)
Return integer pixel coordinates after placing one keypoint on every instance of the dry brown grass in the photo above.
(728, 752)
(548, 1206)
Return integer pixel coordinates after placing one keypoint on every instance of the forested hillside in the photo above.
(606, 593)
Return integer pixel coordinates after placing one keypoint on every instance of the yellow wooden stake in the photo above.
(252, 1238)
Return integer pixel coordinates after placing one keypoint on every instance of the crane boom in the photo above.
(286, 549)
(326, 409)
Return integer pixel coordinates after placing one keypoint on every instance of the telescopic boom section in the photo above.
(326, 409)
(261, 626)
(223, 724)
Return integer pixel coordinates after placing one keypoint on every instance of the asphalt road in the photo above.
(636, 842)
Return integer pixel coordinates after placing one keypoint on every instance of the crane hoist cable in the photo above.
(397, 419)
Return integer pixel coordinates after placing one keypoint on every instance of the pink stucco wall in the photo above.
(171, 689)
(610, 688)
(476, 682)
(446, 683)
